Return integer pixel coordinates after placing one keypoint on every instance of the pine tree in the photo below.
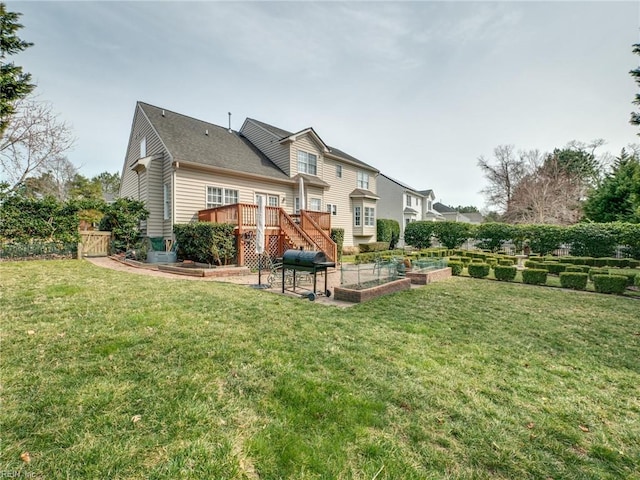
(635, 73)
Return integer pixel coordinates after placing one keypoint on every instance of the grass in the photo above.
(113, 375)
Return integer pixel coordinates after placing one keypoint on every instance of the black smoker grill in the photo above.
(306, 261)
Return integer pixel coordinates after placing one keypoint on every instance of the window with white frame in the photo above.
(315, 204)
(217, 197)
(273, 200)
(369, 216)
(296, 205)
(143, 147)
(429, 205)
(357, 216)
(332, 208)
(363, 180)
(338, 171)
(166, 201)
(408, 200)
(307, 163)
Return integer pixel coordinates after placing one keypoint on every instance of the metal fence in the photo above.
(37, 250)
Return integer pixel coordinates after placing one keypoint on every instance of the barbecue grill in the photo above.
(306, 261)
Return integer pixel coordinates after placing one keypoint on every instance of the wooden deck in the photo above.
(307, 230)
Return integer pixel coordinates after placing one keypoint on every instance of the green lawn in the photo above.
(121, 376)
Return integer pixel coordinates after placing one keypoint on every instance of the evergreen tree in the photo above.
(635, 73)
(617, 198)
(14, 83)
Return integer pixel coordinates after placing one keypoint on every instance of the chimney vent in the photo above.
(230, 123)
(163, 113)
(206, 132)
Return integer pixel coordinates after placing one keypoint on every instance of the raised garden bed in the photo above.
(203, 270)
(367, 291)
(428, 276)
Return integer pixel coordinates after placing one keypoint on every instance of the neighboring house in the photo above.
(453, 215)
(185, 169)
(404, 204)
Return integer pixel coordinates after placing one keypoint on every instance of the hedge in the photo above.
(373, 256)
(554, 268)
(452, 234)
(478, 270)
(573, 280)
(456, 267)
(534, 276)
(505, 272)
(574, 268)
(505, 262)
(418, 234)
(492, 235)
(388, 231)
(637, 280)
(598, 271)
(616, 284)
(205, 242)
(373, 247)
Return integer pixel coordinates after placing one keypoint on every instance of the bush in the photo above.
(610, 284)
(544, 239)
(634, 263)
(492, 235)
(573, 280)
(505, 273)
(373, 247)
(373, 256)
(122, 219)
(205, 242)
(630, 276)
(337, 235)
(555, 268)
(574, 268)
(456, 267)
(533, 264)
(505, 262)
(637, 280)
(534, 276)
(452, 234)
(597, 271)
(478, 270)
(418, 234)
(388, 231)
(592, 239)
(492, 261)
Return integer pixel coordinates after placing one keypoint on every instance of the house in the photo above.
(404, 204)
(451, 214)
(186, 169)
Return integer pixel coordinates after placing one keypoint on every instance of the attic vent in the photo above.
(206, 132)
(230, 131)
(163, 113)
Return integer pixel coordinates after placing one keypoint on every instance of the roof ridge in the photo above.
(183, 115)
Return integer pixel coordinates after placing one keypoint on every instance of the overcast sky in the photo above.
(419, 90)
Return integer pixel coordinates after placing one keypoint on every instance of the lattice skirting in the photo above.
(250, 255)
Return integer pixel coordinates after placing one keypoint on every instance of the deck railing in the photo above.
(319, 236)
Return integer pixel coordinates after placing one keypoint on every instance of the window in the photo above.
(357, 219)
(338, 171)
(296, 205)
(315, 204)
(429, 205)
(307, 163)
(273, 201)
(215, 196)
(406, 221)
(230, 196)
(167, 201)
(332, 209)
(369, 216)
(363, 180)
(408, 200)
(143, 147)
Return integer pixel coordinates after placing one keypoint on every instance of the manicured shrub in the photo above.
(600, 262)
(418, 234)
(492, 261)
(532, 264)
(505, 262)
(477, 260)
(478, 270)
(452, 234)
(616, 284)
(597, 271)
(569, 259)
(573, 280)
(370, 257)
(206, 242)
(574, 268)
(617, 262)
(630, 276)
(373, 247)
(388, 231)
(555, 268)
(637, 280)
(544, 239)
(505, 273)
(592, 239)
(465, 260)
(456, 267)
(492, 235)
(634, 263)
(534, 276)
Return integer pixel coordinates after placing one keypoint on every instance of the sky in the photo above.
(419, 90)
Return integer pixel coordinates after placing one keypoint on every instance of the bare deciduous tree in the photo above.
(35, 139)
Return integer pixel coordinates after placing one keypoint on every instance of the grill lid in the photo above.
(303, 258)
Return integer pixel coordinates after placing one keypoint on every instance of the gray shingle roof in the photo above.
(281, 134)
(186, 140)
(442, 208)
(403, 185)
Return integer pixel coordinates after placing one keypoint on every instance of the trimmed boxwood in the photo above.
(532, 264)
(534, 276)
(373, 247)
(634, 263)
(555, 268)
(630, 276)
(597, 271)
(574, 280)
(492, 261)
(505, 273)
(637, 281)
(616, 284)
(505, 262)
(465, 260)
(478, 270)
(456, 267)
(574, 268)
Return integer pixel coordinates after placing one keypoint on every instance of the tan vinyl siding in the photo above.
(305, 144)
(268, 144)
(154, 199)
(191, 191)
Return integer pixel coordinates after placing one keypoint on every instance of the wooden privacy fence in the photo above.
(94, 244)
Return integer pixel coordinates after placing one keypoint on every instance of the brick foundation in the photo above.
(359, 296)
